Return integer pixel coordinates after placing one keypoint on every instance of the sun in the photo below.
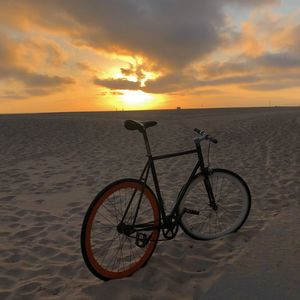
(136, 99)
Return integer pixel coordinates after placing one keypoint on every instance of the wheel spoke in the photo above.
(110, 252)
(232, 201)
(107, 247)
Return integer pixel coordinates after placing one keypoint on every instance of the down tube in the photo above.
(185, 187)
(157, 189)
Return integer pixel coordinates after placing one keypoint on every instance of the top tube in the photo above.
(174, 154)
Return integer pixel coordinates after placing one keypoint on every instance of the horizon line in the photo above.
(144, 110)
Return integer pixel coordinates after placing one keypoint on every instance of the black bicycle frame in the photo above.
(150, 166)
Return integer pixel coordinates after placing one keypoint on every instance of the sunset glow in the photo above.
(91, 56)
(136, 98)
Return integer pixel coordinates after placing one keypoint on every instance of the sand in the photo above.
(52, 166)
(269, 268)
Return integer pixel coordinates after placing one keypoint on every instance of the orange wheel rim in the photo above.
(150, 247)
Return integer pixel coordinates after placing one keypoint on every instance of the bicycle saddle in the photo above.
(141, 126)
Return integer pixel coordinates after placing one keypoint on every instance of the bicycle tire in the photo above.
(104, 229)
(211, 224)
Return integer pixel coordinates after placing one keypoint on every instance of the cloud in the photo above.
(254, 2)
(219, 69)
(197, 92)
(8, 52)
(243, 74)
(173, 33)
(85, 66)
(272, 86)
(276, 71)
(275, 81)
(42, 80)
(8, 95)
(172, 83)
(42, 51)
(278, 60)
(117, 84)
(12, 67)
(138, 71)
(287, 36)
(267, 63)
(171, 36)
(31, 79)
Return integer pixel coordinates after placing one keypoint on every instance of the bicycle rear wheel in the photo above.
(108, 252)
(233, 201)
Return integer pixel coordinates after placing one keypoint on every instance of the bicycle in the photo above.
(122, 225)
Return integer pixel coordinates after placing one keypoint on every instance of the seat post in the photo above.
(147, 143)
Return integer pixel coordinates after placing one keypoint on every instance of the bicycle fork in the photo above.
(208, 187)
(205, 172)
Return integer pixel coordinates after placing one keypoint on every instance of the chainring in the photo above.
(173, 226)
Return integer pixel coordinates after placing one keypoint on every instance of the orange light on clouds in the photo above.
(81, 62)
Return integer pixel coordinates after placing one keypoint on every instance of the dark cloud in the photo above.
(265, 64)
(42, 80)
(38, 91)
(31, 79)
(218, 69)
(276, 71)
(177, 82)
(28, 92)
(254, 2)
(117, 84)
(172, 33)
(172, 83)
(136, 71)
(278, 60)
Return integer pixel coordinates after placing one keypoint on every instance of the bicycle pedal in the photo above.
(141, 240)
(191, 211)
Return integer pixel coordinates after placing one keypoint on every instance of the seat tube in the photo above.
(147, 143)
(154, 175)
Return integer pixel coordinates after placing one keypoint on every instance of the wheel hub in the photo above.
(214, 206)
(125, 229)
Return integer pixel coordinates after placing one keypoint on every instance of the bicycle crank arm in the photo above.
(142, 227)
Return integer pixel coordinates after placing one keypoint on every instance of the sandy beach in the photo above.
(53, 165)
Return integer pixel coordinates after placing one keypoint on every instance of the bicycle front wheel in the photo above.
(233, 202)
(109, 251)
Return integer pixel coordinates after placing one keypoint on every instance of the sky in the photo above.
(99, 55)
